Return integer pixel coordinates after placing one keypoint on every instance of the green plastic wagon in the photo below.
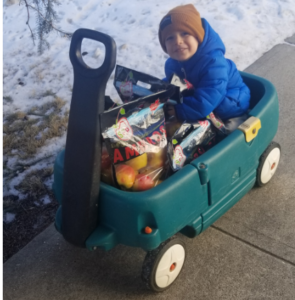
(94, 215)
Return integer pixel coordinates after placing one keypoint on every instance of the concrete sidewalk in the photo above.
(247, 254)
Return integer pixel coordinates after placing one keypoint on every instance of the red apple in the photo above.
(125, 175)
(153, 173)
(107, 175)
(143, 182)
(105, 159)
(157, 160)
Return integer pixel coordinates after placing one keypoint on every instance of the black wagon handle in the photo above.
(82, 164)
(76, 55)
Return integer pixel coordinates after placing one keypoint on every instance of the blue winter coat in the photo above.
(218, 86)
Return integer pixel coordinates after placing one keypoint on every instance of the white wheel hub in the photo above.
(270, 165)
(170, 266)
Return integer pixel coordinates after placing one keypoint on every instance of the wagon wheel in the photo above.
(162, 266)
(268, 164)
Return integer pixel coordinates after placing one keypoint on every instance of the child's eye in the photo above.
(169, 38)
(185, 33)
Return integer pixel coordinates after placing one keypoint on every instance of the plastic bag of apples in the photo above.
(134, 157)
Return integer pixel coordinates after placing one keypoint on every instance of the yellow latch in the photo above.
(250, 128)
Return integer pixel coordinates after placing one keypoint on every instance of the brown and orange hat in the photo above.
(185, 18)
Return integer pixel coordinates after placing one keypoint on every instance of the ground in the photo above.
(24, 133)
(30, 220)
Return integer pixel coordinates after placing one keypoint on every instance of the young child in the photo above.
(197, 55)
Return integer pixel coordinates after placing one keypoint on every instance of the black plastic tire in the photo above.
(159, 274)
(268, 163)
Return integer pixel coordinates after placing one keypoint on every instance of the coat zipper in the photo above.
(183, 71)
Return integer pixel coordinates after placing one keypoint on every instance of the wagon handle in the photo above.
(76, 55)
(81, 179)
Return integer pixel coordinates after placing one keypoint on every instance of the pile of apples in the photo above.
(106, 167)
(138, 174)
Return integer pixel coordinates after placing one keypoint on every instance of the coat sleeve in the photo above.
(209, 92)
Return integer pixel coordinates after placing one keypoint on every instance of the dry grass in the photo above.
(15, 116)
(25, 132)
(33, 184)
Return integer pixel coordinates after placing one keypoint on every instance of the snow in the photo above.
(248, 28)
(46, 200)
(8, 217)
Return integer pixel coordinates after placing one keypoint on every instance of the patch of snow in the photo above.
(46, 200)
(8, 217)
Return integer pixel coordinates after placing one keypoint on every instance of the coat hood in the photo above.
(212, 42)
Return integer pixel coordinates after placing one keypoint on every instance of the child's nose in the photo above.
(178, 40)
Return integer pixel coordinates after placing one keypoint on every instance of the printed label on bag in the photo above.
(126, 89)
(188, 84)
(204, 124)
(215, 121)
(155, 105)
(178, 156)
(123, 130)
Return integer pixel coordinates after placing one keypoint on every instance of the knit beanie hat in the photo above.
(181, 18)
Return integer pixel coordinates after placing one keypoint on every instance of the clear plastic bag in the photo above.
(135, 138)
(189, 142)
(107, 175)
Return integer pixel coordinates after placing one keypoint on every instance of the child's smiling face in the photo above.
(181, 46)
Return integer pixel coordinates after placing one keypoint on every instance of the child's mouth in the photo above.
(180, 50)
